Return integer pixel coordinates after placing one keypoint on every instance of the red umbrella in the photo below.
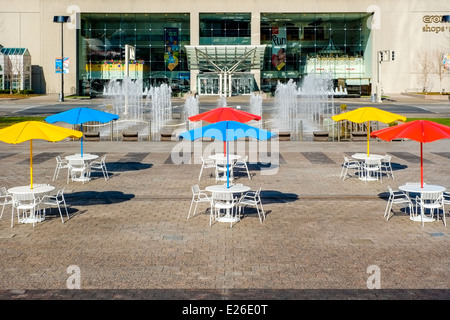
(418, 130)
(225, 114)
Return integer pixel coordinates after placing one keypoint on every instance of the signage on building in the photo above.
(171, 48)
(436, 23)
(279, 43)
(447, 62)
(62, 66)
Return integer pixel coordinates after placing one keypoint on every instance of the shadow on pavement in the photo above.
(86, 198)
(127, 166)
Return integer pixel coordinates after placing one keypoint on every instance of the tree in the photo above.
(425, 68)
(438, 66)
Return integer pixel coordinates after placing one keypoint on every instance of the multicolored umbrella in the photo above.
(31, 130)
(80, 116)
(227, 131)
(418, 130)
(225, 114)
(367, 114)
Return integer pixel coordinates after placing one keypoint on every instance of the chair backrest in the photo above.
(372, 162)
(222, 196)
(195, 189)
(207, 161)
(221, 163)
(23, 197)
(3, 192)
(431, 196)
(258, 193)
(77, 163)
(387, 158)
(391, 192)
(60, 193)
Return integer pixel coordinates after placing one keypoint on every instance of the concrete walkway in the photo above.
(129, 237)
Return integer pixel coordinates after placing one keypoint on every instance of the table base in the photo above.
(419, 219)
(370, 178)
(227, 219)
(31, 220)
(82, 179)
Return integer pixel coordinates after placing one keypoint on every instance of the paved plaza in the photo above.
(129, 237)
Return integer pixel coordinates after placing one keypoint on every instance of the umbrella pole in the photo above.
(31, 163)
(228, 167)
(368, 136)
(81, 127)
(421, 165)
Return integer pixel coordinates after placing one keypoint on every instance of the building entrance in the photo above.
(228, 85)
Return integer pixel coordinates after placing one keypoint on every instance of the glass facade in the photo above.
(298, 44)
(225, 28)
(158, 40)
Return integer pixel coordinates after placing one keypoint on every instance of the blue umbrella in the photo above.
(227, 131)
(80, 116)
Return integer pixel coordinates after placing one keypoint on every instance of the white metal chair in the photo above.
(242, 164)
(432, 201)
(397, 198)
(61, 164)
(349, 164)
(6, 199)
(206, 164)
(223, 201)
(55, 201)
(252, 198)
(78, 170)
(198, 196)
(372, 167)
(99, 165)
(386, 166)
(221, 168)
(446, 199)
(28, 203)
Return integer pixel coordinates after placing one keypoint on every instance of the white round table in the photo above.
(85, 157)
(37, 189)
(221, 156)
(416, 188)
(232, 189)
(364, 157)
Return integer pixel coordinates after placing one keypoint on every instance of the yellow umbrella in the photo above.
(367, 114)
(30, 130)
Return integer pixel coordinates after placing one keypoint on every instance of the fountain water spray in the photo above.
(256, 105)
(190, 109)
(307, 108)
(137, 108)
(161, 108)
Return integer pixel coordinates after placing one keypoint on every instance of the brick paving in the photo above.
(131, 239)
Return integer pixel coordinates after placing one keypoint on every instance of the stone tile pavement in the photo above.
(130, 238)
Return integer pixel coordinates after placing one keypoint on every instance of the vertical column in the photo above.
(224, 84)
(256, 40)
(194, 41)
